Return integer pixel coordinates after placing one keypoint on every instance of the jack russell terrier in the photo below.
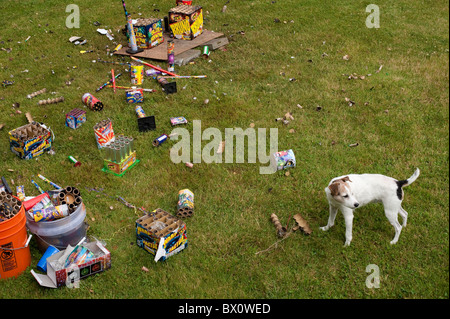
(348, 192)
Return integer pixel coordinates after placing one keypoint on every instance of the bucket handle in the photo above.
(26, 245)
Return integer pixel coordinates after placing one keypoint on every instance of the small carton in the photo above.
(56, 278)
(186, 22)
(75, 118)
(148, 32)
(30, 141)
(161, 234)
(120, 168)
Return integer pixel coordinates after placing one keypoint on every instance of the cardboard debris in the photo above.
(281, 231)
(302, 224)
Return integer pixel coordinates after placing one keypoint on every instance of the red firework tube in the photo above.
(30, 203)
(113, 80)
(153, 67)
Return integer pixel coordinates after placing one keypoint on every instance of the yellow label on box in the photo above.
(197, 24)
(180, 28)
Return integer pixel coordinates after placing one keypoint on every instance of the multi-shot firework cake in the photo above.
(161, 234)
(120, 155)
(75, 118)
(148, 32)
(30, 140)
(185, 205)
(104, 133)
(9, 206)
(186, 22)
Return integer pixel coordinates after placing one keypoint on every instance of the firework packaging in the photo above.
(185, 205)
(145, 123)
(177, 120)
(30, 140)
(92, 102)
(161, 234)
(137, 74)
(90, 258)
(148, 32)
(75, 118)
(282, 160)
(135, 95)
(159, 140)
(168, 87)
(104, 133)
(120, 156)
(186, 22)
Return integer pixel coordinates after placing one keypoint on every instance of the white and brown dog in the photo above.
(348, 192)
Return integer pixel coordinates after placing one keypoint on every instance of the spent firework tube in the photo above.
(38, 187)
(74, 161)
(137, 74)
(132, 36)
(185, 205)
(152, 72)
(49, 181)
(92, 102)
(171, 55)
(158, 141)
(20, 190)
(50, 213)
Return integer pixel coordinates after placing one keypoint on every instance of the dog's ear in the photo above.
(345, 179)
(334, 188)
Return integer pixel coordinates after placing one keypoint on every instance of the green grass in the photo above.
(233, 202)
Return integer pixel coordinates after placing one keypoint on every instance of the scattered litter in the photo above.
(354, 145)
(106, 32)
(144, 269)
(281, 231)
(302, 224)
(350, 102)
(190, 165)
(379, 69)
(6, 83)
(51, 101)
(32, 95)
(346, 57)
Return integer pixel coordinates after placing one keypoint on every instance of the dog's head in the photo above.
(341, 191)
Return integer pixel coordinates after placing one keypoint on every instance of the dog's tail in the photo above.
(406, 182)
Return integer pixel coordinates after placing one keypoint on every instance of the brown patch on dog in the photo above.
(337, 185)
(334, 188)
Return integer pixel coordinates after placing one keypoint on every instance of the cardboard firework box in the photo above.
(161, 234)
(120, 168)
(57, 277)
(148, 32)
(186, 22)
(75, 118)
(104, 133)
(30, 141)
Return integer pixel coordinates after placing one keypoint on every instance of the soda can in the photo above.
(205, 51)
(137, 74)
(92, 102)
(185, 205)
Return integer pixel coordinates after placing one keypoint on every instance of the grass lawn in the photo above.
(400, 120)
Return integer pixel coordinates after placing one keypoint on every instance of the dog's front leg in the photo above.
(348, 217)
(331, 218)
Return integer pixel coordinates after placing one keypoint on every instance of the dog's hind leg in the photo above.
(404, 215)
(331, 218)
(392, 216)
